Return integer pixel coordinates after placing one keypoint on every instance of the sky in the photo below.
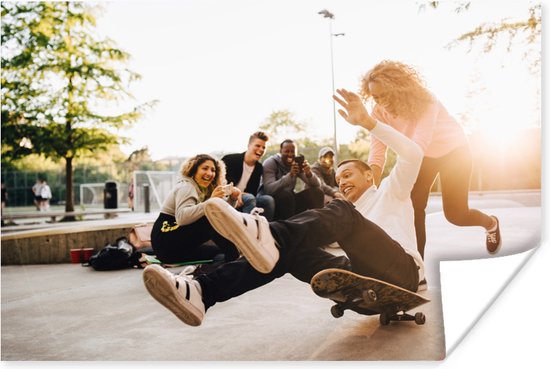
(220, 68)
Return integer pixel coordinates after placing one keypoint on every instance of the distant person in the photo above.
(281, 172)
(131, 195)
(36, 192)
(324, 169)
(245, 171)
(45, 195)
(403, 102)
(181, 231)
(4, 198)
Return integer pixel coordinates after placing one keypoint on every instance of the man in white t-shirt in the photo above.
(374, 226)
(245, 171)
(36, 193)
(44, 195)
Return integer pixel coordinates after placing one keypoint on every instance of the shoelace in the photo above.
(257, 211)
(256, 214)
(492, 237)
(188, 270)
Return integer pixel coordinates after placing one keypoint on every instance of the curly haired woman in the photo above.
(402, 101)
(181, 229)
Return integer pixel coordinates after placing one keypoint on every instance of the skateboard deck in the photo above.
(145, 260)
(368, 296)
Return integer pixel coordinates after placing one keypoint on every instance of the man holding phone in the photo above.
(281, 172)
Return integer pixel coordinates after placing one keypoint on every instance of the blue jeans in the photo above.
(265, 202)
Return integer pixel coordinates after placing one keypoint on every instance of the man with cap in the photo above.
(324, 169)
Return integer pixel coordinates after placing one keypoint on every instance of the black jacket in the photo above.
(234, 172)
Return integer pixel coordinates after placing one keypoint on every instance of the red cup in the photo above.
(76, 256)
(87, 254)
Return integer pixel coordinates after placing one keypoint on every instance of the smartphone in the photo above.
(299, 159)
(228, 189)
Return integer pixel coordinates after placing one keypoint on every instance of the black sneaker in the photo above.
(493, 240)
(422, 285)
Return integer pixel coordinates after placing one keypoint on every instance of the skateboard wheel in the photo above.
(371, 295)
(384, 319)
(419, 318)
(336, 311)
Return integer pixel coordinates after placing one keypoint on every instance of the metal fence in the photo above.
(19, 184)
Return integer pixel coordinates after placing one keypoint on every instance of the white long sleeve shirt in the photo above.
(389, 206)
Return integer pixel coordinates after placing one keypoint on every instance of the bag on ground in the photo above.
(113, 257)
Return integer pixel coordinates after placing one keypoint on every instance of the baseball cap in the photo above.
(325, 150)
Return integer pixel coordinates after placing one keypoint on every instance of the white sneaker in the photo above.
(177, 293)
(249, 232)
(422, 285)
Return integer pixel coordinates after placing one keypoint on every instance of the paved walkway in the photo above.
(67, 312)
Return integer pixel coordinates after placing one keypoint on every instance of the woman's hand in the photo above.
(236, 195)
(355, 112)
(218, 192)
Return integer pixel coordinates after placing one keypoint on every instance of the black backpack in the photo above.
(114, 257)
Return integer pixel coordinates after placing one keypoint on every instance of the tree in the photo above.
(281, 124)
(58, 78)
(527, 29)
(360, 149)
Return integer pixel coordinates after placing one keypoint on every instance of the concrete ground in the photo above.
(68, 312)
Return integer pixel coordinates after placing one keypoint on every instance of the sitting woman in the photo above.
(181, 230)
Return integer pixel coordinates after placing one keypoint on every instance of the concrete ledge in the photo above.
(50, 246)
(55, 214)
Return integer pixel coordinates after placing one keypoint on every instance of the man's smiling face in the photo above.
(256, 149)
(288, 153)
(353, 181)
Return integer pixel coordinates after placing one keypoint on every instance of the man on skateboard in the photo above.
(375, 227)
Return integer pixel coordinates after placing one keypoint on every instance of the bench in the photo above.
(55, 214)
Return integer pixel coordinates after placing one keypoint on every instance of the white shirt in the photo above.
(389, 206)
(247, 172)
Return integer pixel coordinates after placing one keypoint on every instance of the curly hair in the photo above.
(405, 94)
(190, 167)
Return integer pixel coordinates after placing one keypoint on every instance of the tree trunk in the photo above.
(69, 197)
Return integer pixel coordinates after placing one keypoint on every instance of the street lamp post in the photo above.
(326, 14)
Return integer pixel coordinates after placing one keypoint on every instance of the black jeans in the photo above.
(289, 203)
(177, 244)
(454, 171)
(370, 252)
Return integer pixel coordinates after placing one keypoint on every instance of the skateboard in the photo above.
(145, 260)
(367, 296)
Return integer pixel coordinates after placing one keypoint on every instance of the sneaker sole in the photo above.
(496, 250)
(224, 224)
(500, 240)
(163, 291)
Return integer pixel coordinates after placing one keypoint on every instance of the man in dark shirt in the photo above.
(281, 173)
(245, 171)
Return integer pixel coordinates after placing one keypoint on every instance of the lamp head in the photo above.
(325, 13)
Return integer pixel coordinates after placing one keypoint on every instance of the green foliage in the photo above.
(360, 149)
(280, 125)
(57, 77)
(526, 31)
